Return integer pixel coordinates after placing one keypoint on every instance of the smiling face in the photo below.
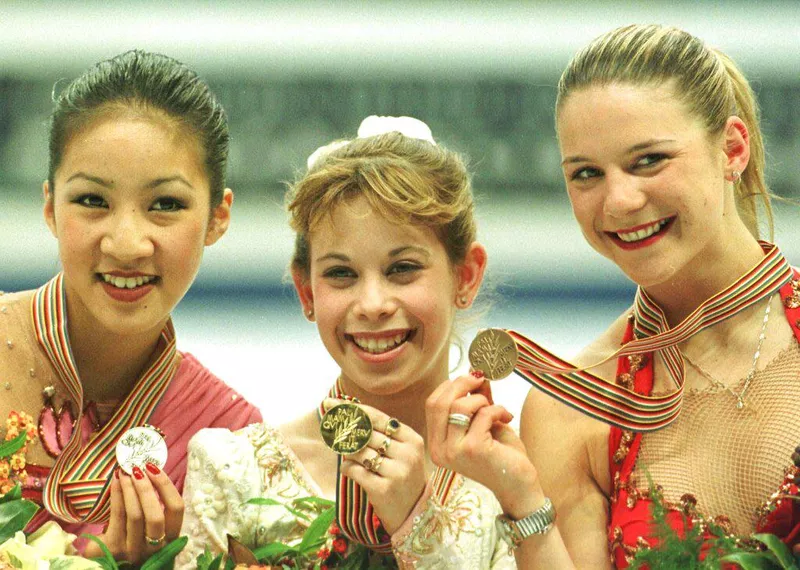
(646, 181)
(383, 296)
(130, 210)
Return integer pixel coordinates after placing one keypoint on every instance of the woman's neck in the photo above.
(109, 364)
(714, 269)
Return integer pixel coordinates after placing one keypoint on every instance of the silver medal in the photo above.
(140, 445)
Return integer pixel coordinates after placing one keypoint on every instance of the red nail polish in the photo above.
(116, 473)
(477, 373)
(137, 472)
(152, 468)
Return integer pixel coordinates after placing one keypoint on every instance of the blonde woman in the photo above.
(385, 258)
(664, 165)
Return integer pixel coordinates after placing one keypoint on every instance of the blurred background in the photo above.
(295, 75)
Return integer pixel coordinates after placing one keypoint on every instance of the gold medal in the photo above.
(493, 352)
(140, 445)
(346, 428)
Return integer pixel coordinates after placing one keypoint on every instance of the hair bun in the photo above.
(407, 126)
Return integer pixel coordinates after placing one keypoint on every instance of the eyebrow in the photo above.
(415, 248)
(634, 148)
(177, 178)
(109, 184)
(393, 253)
(95, 179)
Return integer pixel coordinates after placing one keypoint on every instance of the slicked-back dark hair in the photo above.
(149, 82)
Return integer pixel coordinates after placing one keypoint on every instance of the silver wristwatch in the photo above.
(538, 522)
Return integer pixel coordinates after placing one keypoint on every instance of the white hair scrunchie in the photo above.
(406, 126)
(375, 125)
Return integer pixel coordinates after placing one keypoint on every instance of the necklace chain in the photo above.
(749, 378)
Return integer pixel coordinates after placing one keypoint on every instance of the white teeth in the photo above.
(377, 346)
(643, 233)
(127, 282)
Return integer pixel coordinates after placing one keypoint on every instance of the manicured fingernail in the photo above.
(152, 468)
(137, 472)
(116, 473)
(477, 373)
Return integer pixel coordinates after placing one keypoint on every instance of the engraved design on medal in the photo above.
(140, 445)
(493, 352)
(346, 429)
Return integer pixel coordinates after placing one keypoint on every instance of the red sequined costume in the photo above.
(631, 521)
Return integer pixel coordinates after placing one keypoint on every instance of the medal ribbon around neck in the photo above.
(624, 408)
(354, 512)
(77, 489)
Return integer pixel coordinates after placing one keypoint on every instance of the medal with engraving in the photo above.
(346, 428)
(140, 445)
(493, 352)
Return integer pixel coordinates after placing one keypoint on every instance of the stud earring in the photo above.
(310, 314)
(463, 301)
(736, 177)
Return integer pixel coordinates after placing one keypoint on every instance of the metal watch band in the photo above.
(539, 521)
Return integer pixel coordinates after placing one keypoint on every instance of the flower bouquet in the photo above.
(706, 545)
(322, 546)
(49, 546)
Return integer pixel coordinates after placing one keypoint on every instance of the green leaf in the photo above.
(316, 531)
(107, 560)
(9, 448)
(264, 502)
(271, 551)
(753, 560)
(313, 501)
(13, 495)
(14, 516)
(357, 560)
(165, 557)
(207, 561)
(204, 559)
(779, 549)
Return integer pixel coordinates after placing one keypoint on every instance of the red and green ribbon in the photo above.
(355, 515)
(624, 408)
(77, 489)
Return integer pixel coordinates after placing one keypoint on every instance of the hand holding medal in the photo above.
(467, 432)
(146, 508)
(385, 457)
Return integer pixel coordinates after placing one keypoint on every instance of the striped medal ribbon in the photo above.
(622, 407)
(77, 489)
(355, 515)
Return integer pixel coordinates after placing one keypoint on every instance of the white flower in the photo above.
(407, 126)
(48, 545)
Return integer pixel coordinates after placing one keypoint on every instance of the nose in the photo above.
(375, 300)
(127, 237)
(624, 194)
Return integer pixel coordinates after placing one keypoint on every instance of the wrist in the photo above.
(522, 499)
(514, 531)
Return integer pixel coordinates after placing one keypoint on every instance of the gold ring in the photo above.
(392, 426)
(154, 541)
(372, 464)
(384, 446)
